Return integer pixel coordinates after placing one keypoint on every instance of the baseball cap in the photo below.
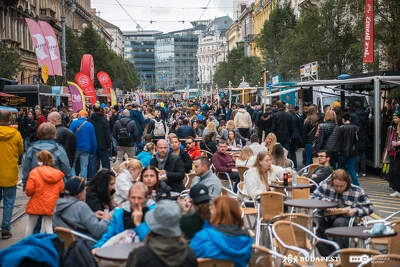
(83, 113)
(396, 114)
(199, 194)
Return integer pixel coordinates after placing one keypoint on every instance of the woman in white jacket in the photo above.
(130, 171)
(260, 176)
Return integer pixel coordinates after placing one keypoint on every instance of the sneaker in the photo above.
(395, 194)
(5, 234)
(362, 174)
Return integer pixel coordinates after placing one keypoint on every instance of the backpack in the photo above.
(159, 129)
(124, 136)
(79, 255)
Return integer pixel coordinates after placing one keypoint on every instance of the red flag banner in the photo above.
(86, 84)
(52, 44)
(369, 32)
(105, 81)
(40, 45)
(87, 66)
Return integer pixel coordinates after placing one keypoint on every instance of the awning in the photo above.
(284, 92)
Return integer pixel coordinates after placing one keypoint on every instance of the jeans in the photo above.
(351, 166)
(8, 194)
(308, 154)
(293, 148)
(102, 156)
(114, 146)
(83, 158)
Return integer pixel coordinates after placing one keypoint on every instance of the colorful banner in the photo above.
(52, 45)
(77, 97)
(86, 84)
(369, 32)
(40, 45)
(137, 98)
(105, 81)
(113, 97)
(87, 66)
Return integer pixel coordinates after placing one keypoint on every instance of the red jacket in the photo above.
(194, 152)
(223, 162)
(44, 187)
(41, 120)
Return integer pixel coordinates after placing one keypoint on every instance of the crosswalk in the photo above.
(378, 191)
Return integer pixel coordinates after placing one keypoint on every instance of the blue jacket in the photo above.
(86, 137)
(214, 244)
(37, 247)
(144, 157)
(137, 116)
(116, 226)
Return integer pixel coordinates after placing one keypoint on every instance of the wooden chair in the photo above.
(388, 260)
(301, 193)
(189, 178)
(206, 153)
(271, 204)
(262, 257)
(308, 169)
(248, 211)
(288, 244)
(242, 170)
(345, 254)
(203, 262)
(69, 236)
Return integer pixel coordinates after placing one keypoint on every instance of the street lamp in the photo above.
(64, 52)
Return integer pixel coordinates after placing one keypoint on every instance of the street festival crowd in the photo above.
(119, 174)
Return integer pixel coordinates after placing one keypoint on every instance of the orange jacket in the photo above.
(44, 187)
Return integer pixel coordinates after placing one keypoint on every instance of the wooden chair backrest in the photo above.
(388, 260)
(347, 252)
(394, 241)
(66, 235)
(271, 204)
(302, 219)
(285, 232)
(301, 193)
(235, 155)
(261, 257)
(312, 167)
(214, 263)
(242, 170)
(203, 152)
(190, 177)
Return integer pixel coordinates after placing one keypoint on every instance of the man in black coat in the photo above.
(131, 127)
(185, 130)
(103, 138)
(282, 126)
(64, 136)
(171, 166)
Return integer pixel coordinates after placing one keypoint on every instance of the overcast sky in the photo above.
(165, 13)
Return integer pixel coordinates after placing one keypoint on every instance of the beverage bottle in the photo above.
(294, 178)
(154, 195)
(285, 178)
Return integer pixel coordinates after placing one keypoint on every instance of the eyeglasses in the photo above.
(320, 156)
(189, 143)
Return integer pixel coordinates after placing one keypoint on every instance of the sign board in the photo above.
(308, 70)
(276, 79)
(45, 73)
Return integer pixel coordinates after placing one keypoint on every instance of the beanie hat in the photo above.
(74, 186)
(165, 219)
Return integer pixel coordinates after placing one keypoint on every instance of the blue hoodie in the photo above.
(144, 157)
(232, 244)
(37, 247)
(137, 116)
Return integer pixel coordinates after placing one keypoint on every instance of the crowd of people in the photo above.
(109, 172)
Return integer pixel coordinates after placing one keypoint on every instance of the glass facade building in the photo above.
(176, 59)
(139, 47)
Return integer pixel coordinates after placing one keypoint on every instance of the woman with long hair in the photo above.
(246, 158)
(149, 177)
(279, 158)
(164, 244)
(197, 130)
(264, 172)
(270, 141)
(222, 127)
(328, 137)
(209, 143)
(309, 130)
(174, 128)
(100, 191)
(129, 173)
(233, 140)
(230, 125)
(178, 151)
(224, 237)
(210, 128)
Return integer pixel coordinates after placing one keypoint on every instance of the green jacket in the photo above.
(191, 224)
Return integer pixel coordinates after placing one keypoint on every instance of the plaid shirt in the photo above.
(355, 198)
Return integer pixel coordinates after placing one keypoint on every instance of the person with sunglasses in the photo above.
(73, 213)
(192, 147)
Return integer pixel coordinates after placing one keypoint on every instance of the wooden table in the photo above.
(311, 204)
(118, 252)
(357, 231)
(290, 186)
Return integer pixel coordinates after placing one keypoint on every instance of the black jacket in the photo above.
(328, 138)
(30, 129)
(67, 139)
(22, 125)
(282, 126)
(175, 172)
(130, 125)
(359, 118)
(297, 127)
(163, 192)
(185, 131)
(94, 201)
(187, 160)
(309, 131)
(210, 146)
(102, 130)
(151, 127)
(113, 119)
(348, 140)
